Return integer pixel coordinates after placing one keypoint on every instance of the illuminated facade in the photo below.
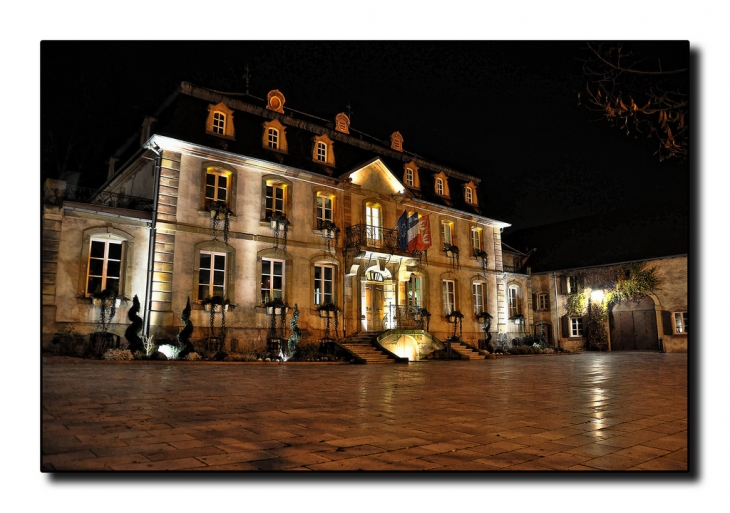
(246, 200)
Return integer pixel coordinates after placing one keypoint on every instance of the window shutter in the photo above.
(667, 322)
(534, 302)
(565, 326)
(562, 284)
(314, 211)
(547, 301)
(585, 326)
(579, 282)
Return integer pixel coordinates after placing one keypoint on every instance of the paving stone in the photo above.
(376, 418)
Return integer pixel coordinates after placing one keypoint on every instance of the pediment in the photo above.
(375, 176)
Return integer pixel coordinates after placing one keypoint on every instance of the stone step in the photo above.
(467, 351)
(368, 353)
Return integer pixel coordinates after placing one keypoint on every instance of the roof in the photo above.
(642, 233)
(184, 114)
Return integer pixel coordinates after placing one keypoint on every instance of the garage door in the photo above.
(633, 326)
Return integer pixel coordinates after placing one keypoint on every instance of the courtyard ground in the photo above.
(578, 412)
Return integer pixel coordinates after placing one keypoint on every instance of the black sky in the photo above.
(507, 112)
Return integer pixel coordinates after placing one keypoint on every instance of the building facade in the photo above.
(251, 202)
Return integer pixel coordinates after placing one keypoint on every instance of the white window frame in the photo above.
(477, 290)
(271, 189)
(321, 151)
(448, 288)
(267, 269)
(219, 123)
(414, 291)
(439, 186)
(468, 194)
(321, 296)
(409, 177)
(576, 326)
(214, 255)
(373, 224)
(476, 239)
(681, 322)
(513, 301)
(572, 283)
(273, 138)
(447, 233)
(542, 301)
(325, 212)
(105, 265)
(216, 185)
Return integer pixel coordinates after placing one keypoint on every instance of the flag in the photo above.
(403, 231)
(413, 232)
(424, 234)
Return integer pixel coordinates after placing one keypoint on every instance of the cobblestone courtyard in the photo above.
(590, 411)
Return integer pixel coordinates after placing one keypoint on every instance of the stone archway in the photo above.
(633, 326)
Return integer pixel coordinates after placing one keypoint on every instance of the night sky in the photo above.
(507, 112)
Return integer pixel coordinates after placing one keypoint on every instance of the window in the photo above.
(447, 230)
(211, 275)
(324, 207)
(476, 239)
(324, 284)
(414, 292)
(449, 296)
(105, 266)
(321, 152)
(272, 280)
(542, 301)
(409, 177)
(439, 186)
(514, 302)
(573, 284)
(681, 321)
(373, 224)
(216, 184)
(275, 199)
(219, 123)
(576, 326)
(468, 194)
(478, 293)
(273, 141)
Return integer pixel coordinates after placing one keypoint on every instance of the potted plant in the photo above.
(451, 250)
(211, 303)
(328, 228)
(276, 307)
(327, 309)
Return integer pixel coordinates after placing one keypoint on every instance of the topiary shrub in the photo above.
(132, 332)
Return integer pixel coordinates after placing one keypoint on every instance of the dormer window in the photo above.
(322, 150)
(274, 136)
(470, 195)
(220, 121)
(396, 141)
(342, 123)
(410, 175)
(441, 185)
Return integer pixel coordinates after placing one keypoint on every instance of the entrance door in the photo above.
(374, 306)
(633, 326)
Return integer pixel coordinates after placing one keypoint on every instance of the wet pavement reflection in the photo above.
(588, 411)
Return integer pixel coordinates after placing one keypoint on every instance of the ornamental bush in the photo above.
(118, 354)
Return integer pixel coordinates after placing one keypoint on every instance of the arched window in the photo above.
(409, 177)
(219, 123)
(439, 186)
(273, 140)
(514, 301)
(321, 151)
(468, 194)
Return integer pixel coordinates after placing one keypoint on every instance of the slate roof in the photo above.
(639, 234)
(183, 117)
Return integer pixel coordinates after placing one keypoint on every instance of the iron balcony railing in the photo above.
(514, 269)
(106, 198)
(375, 238)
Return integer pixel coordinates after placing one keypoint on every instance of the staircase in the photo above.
(361, 346)
(467, 351)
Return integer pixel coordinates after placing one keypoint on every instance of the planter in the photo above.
(216, 309)
(276, 310)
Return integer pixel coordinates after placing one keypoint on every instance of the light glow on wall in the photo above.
(597, 296)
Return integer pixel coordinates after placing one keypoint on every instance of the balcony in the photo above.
(375, 238)
(105, 198)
